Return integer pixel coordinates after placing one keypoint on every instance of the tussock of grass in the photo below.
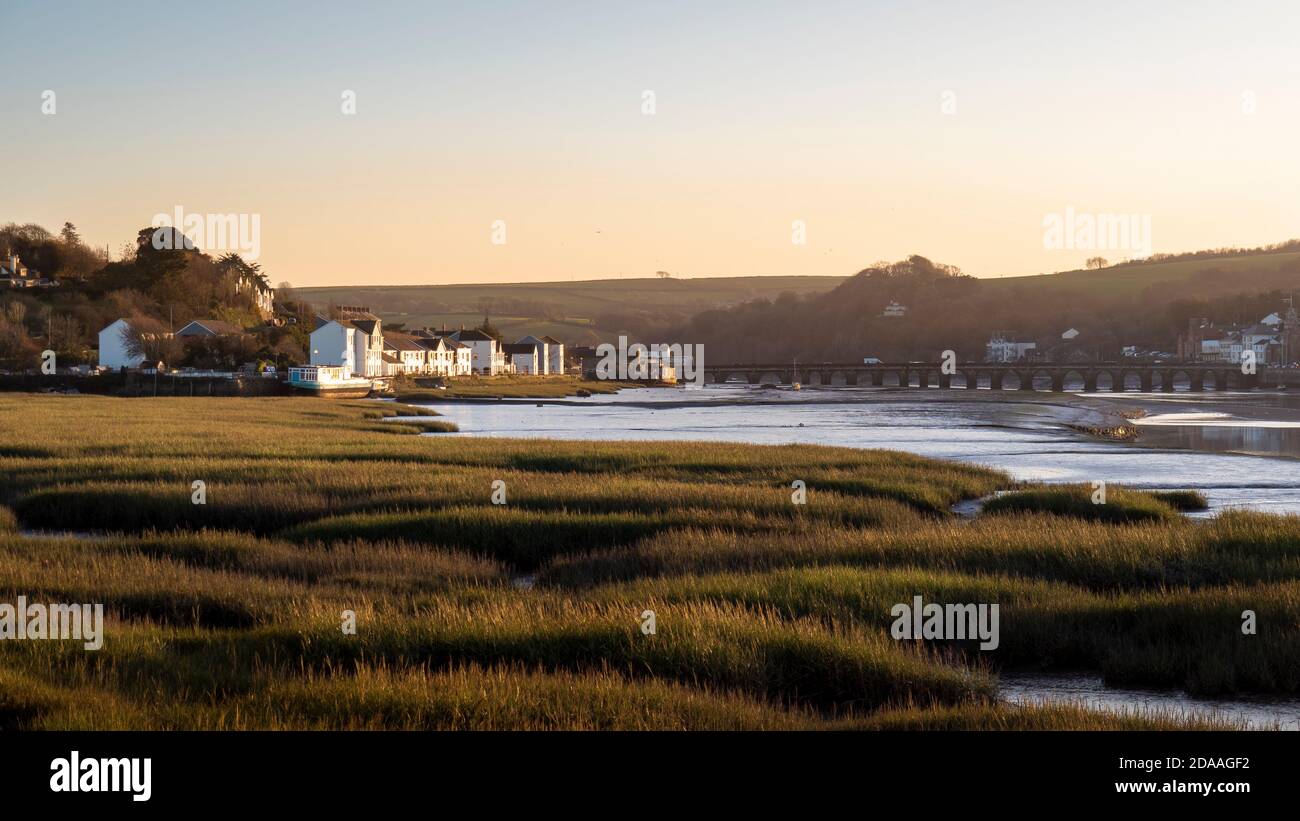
(8, 521)
(511, 698)
(1121, 505)
(1029, 717)
(521, 537)
(1182, 500)
(1186, 639)
(1239, 547)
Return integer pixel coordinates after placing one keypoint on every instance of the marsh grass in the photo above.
(509, 387)
(1235, 547)
(1121, 504)
(770, 615)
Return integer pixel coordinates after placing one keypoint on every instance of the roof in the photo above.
(549, 340)
(473, 335)
(215, 326)
(532, 340)
(355, 312)
(519, 348)
(389, 358)
(402, 342)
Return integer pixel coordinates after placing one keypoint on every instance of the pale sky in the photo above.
(950, 130)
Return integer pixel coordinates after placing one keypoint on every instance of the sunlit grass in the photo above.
(769, 614)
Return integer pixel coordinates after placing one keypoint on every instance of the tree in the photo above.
(69, 234)
(147, 337)
(1094, 263)
(488, 328)
(663, 275)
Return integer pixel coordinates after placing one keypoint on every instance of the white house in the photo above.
(1002, 348)
(355, 341)
(543, 354)
(895, 310)
(463, 361)
(412, 357)
(555, 355)
(445, 356)
(113, 349)
(524, 357)
(485, 352)
(1070, 333)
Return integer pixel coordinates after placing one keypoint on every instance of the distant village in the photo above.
(1274, 340)
(351, 350)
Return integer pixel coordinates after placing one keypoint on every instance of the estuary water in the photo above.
(1240, 450)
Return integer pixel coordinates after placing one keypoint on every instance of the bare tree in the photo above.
(147, 337)
(1096, 262)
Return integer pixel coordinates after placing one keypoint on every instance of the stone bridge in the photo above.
(1091, 377)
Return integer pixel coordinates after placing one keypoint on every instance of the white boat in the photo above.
(332, 381)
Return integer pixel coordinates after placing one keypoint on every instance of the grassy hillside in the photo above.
(594, 311)
(1204, 276)
(575, 312)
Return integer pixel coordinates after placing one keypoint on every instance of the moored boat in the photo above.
(329, 381)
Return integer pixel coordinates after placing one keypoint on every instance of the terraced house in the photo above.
(353, 340)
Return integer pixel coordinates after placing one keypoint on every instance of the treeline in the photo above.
(1287, 246)
(947, 310)
(157, 289)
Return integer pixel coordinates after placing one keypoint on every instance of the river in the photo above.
(1240, 450)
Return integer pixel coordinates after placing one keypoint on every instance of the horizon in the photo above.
(776, 142)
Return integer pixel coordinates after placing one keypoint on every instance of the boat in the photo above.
(334, 382)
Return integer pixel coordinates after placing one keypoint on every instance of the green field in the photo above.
(529, 614)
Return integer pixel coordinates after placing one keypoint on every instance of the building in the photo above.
(259, 290)
(543, 354)
(1069, 334)
(13, 274)
(555, 355)
(209, 328)
(1003, 347)
(525, 358)
(486, 355)
(445, 356)
(113, 348)
(409, 353)
(895, 310)
(354, 340)
(1272, 342)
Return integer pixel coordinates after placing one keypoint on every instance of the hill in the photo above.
(1142, 305)
(1166, 289)
(582, 312)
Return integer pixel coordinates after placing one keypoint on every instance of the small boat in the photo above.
(329, 381)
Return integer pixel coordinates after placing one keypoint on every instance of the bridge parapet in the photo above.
(1094, 377)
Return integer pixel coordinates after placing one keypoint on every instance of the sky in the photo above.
(516, 141)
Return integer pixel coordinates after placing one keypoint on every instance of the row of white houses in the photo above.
(355, 340)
